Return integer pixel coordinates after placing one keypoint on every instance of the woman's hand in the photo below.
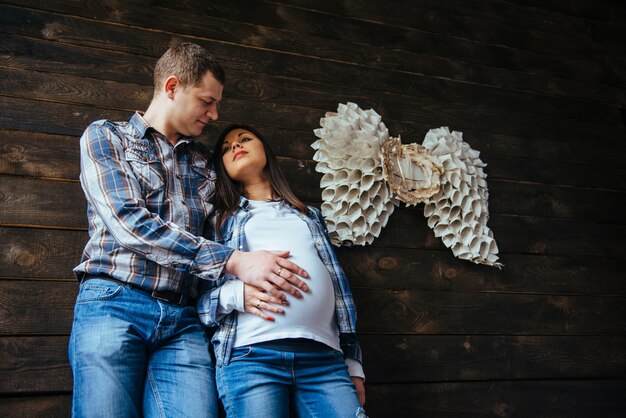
(268, 270)
(360, 388)
(256, 301)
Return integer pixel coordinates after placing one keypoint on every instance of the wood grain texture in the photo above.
(538, 87)
(398, 268)
(560, 399)
(39, 364)
(406, 311)
(47, 308)
(47, 406)
(40, 253)
(305, 45)
(34, 364)
(566, 399)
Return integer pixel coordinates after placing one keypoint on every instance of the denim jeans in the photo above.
(262, 382)
(133, 355)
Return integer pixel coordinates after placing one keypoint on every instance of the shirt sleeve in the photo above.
(231, 298)
(115, 195)
(355, 369)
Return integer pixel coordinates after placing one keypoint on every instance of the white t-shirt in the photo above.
(272, 226)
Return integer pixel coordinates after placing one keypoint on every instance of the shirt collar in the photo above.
(141, 126)
(243, 203)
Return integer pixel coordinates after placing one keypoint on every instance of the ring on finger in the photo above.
(280, 270)
(258, 304)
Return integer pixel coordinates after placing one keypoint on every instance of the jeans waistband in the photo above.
(295, 345)
(168, 296)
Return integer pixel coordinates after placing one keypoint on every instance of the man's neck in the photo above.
(156, 116)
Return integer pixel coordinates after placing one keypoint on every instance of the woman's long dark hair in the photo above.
(228, 191)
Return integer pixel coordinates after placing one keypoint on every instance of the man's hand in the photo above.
(268, 270)
(257, 301)
(360, 388)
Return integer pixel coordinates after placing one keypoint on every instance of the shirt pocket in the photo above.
(205, 178)
(147, 169)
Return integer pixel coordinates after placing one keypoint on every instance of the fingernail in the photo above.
(298, 294)
(281, 312)
(285, 302)
(270, 319)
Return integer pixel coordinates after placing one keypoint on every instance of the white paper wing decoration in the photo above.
(366, 173)
(357, 202)
(458, 213)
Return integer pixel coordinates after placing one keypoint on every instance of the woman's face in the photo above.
(243, 156)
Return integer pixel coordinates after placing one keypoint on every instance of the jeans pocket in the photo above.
(97, 289)
(241, 352)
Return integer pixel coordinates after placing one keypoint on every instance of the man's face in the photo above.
(194, 106)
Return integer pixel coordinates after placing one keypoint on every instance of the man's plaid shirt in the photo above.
(147, 204)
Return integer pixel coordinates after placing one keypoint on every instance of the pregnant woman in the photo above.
(273, 356)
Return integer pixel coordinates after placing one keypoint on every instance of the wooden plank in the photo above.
(37, 307)
(441, 72)
(566, 399)
(27, 201)
(555, 202)
(490, 23)
(555, 399)
(40, 365)
(515, 234)
(48, 406)
(428, 358)
(57, 119)
(602, 12)
(262, 37)
(38, 154)
(47, 308)
(582, 30)
(416, 312)
(459, 116)
(398, 268)
(34, 365)
(40, 253)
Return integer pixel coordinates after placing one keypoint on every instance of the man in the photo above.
(137, 347)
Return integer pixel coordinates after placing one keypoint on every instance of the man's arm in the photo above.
(114, 193)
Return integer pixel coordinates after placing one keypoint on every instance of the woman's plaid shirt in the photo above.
(233, 236)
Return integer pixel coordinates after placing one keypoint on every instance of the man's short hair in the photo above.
(189, 62)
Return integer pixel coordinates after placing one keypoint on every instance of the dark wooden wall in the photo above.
(538, 86)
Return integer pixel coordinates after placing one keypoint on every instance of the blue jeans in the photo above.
(262, 382)
(133, 355)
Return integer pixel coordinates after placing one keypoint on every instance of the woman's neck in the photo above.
(261, 190)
